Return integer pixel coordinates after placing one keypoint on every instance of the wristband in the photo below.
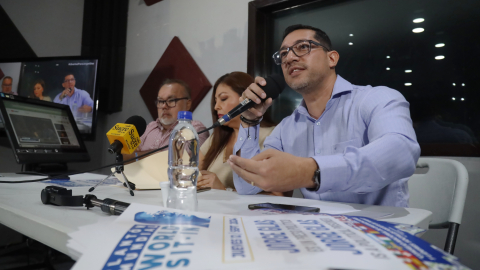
(250, 122)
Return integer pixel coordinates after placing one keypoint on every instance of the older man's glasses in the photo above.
(170, 102)
(300, 48)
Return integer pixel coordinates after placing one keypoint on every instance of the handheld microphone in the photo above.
(275, 85)
(125, 137)
(64, 95)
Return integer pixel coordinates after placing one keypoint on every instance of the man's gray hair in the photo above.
(7, 77)
(188, 91)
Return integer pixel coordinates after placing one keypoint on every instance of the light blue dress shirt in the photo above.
(363, 143)
(78, 99)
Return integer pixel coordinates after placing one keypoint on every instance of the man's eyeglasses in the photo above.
(300, 48)
(70, 80)
(7, 85)
(170, 102)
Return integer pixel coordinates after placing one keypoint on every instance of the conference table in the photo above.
(22, 209)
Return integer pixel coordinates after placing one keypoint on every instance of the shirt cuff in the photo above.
(334, 172)
(243, 187)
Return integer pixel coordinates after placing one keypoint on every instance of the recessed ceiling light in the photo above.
(419, 20)
(388, 56)
(351, 35)
(463, 84)
(388, 68)
(350, 43)
(439, 45)
(408, 84)
(462, 99)
(418, 30)
(453, 84)
(408, 71)
(439, 57)
(453, 98)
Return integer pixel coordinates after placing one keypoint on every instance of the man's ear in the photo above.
(189, 104)
(333, 58)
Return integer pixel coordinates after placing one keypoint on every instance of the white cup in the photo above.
(165, 186)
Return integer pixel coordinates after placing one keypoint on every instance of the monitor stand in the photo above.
(47, 169)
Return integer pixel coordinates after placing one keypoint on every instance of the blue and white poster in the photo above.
(153, 237)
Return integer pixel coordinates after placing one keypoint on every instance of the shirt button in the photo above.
(318, 123)
(318, 151)
(241, 138)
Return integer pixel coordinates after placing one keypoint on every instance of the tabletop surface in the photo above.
(22, 210)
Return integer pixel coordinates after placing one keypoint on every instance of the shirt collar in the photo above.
(341, 85)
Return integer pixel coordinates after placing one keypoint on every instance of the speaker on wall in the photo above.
(104, 36)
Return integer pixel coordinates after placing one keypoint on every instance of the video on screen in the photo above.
(34, 130)
(68, 82)
(37, 126)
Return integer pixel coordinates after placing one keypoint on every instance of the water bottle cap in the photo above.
(184, 115)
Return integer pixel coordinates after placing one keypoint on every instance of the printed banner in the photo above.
(153, 237)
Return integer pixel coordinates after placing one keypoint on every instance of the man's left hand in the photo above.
(273, 170)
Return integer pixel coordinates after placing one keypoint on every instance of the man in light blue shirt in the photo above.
(344, 143)
(78, 100)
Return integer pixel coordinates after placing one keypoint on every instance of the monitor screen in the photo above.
(68, 81)
(40, 131)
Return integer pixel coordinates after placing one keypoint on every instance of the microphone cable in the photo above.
(102, 167)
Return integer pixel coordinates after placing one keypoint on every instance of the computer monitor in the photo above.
(65, 80)
(41, 133)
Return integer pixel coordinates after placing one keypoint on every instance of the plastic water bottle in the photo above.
(74, 110)
(183, 151)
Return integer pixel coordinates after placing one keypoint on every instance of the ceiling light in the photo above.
(418, 20)
(418, 30)
(350, 43)
(351, 35)
(453, 84)
(462, 99)
(408, 84)
(408, 71)
(439, 45)
(463, 84)
(388, 56)
(388, 68)
(439, 57)
(453, 98)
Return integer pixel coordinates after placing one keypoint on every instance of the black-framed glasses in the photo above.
(69, 80)
(170, 102)
(300, 48)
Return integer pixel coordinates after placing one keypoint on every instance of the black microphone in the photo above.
(275, 85)
(139, 123)
(63, 96)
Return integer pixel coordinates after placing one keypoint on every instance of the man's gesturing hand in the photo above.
(253, 92)
(273, 170)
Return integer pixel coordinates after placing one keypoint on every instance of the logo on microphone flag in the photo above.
(127, 134)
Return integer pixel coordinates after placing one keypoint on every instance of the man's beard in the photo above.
(167, 121)
(300, 87)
